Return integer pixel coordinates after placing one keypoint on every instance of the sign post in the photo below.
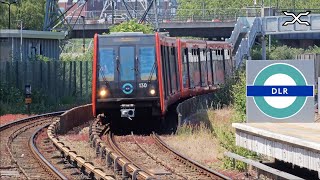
(318, 95)
(28, 99)
(280, 91)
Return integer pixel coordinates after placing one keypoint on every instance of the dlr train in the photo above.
(136, 73)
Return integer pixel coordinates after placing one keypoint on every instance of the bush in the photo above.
(132, 26)
(238, 93)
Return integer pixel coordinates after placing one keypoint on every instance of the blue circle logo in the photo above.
(127, 88)
(280, 90)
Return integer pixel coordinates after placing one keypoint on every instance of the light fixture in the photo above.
(152, 92)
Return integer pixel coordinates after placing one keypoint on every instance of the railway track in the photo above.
(160, 163)
(20, 157)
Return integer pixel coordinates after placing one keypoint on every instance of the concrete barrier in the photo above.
(75, 117)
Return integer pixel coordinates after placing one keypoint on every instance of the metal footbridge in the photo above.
(248, 28)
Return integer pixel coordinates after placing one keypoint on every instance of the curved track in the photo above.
(160, 163)
(19, 156)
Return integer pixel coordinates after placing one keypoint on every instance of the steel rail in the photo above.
(10, 124)
(24, 120)
(118, 150)
(72, 156)
(106, 150)
(155, 158)
(46, 164)
(210, 172)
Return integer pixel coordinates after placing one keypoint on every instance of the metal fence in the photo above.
(55, 79)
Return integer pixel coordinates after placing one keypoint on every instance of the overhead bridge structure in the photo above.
(247, 29)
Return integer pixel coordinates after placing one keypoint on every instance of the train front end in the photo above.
(125, 76)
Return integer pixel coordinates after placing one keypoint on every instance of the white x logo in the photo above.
(296, 18)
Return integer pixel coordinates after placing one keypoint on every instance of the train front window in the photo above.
(147, 63)
(106, 62)
(127, 60)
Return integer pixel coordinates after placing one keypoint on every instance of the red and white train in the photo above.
(135, 73)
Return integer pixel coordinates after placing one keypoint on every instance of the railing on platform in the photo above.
(261, 168)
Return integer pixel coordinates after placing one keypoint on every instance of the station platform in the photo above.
(296, 143)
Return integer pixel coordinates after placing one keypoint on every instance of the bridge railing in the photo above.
(164, 16)
(279, 12)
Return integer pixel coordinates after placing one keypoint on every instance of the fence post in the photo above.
(55, 85)
(70, 76)
(25, 75)
(80, 79)
(7, 72)
(87, 73)
(48, 78)
(41, 77)
(75, 78)
(17, 74)
(63, 78)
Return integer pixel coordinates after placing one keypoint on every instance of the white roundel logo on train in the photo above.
(127, 88)
(280, 90)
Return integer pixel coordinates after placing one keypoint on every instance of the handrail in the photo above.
(261, 166)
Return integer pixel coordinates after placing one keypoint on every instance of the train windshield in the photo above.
(107, 61)
(147, 63)
(127, 63)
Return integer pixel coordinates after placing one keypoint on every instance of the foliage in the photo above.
(194, 7)
(31, 12)
(238, 93)
(132, 26)
(12, 101)
(77, 56)
(282, 52)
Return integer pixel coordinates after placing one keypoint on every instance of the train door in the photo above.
(127, 71)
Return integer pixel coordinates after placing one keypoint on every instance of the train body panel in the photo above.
(129, 66)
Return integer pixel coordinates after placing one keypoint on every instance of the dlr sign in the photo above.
(279, 91)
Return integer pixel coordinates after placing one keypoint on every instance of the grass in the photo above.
(207, 135)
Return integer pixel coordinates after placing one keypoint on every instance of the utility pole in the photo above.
(21, 40)
(112, 18)
(9, 4)
(155, 9)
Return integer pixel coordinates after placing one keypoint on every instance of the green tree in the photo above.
(31, 12)
(132, 26)
(194, 7)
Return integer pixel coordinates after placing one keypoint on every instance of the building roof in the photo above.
(31, 34)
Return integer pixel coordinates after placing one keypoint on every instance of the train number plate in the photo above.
(143, 85)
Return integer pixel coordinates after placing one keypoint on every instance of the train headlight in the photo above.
(152, 92)
(103, 92)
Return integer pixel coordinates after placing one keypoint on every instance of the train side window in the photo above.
(212, 66)
(185, 71)
(191, 67)
(168, 69)
(174, 74)
(106, 64)
(209, 65)
(147, 63)
(165, 84)
(196, 68)
(203, 65)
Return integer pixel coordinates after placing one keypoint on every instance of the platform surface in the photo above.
(302, 134)
(296, 143)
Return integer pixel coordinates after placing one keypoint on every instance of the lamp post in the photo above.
(9, 4)
(83, 43)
